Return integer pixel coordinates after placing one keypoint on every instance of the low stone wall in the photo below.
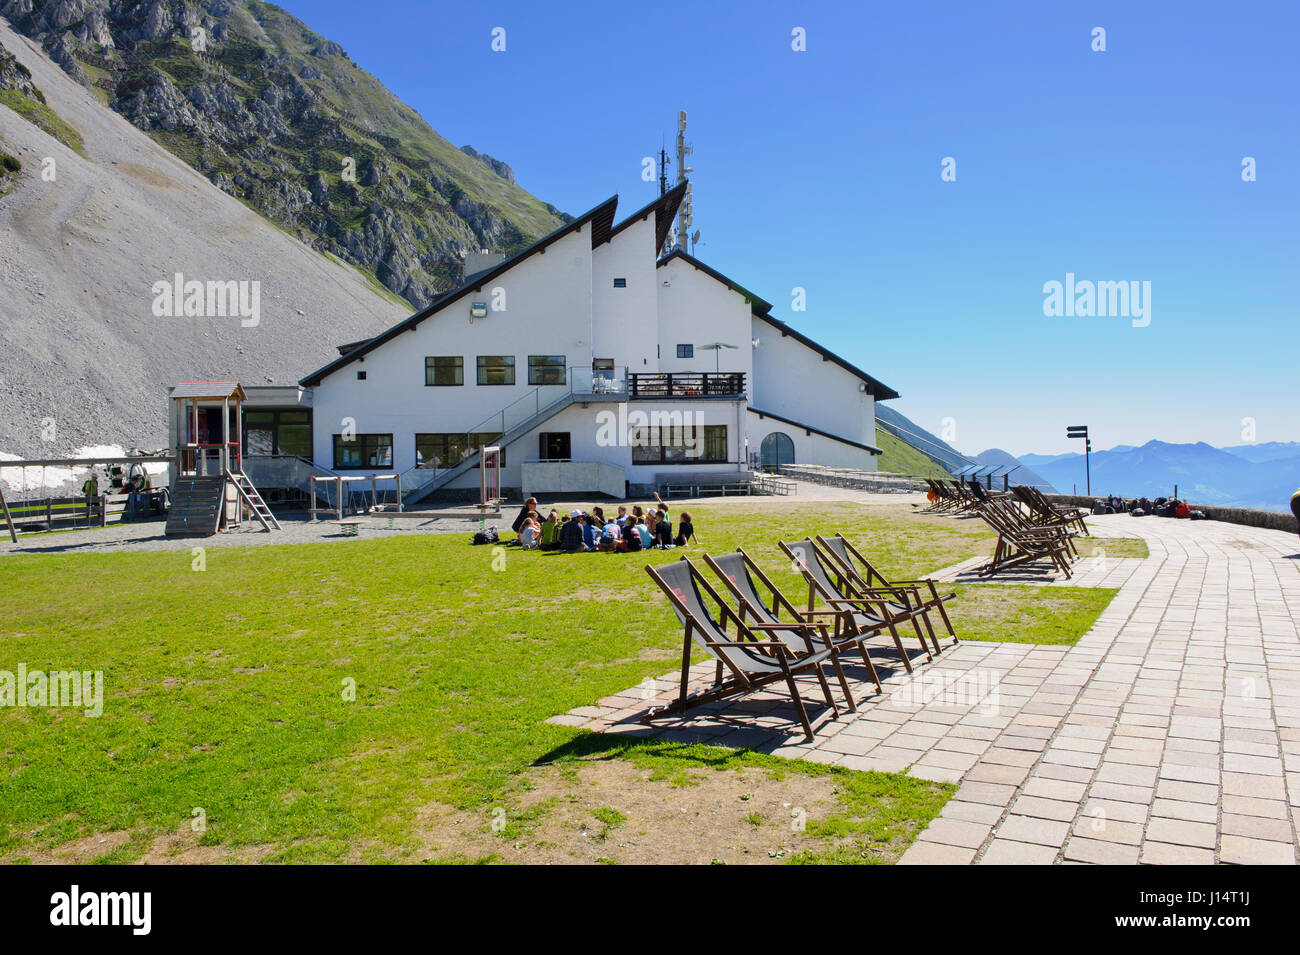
(1273, 520)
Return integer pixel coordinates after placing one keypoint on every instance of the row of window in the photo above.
(442, 370)
(433, 450)
(705, 444)
(494, 370)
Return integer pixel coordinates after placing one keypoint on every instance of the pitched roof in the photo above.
(602, 220)
(809, 428)
(760, 307)
(664, 209)
(209, 390)
(879, 390)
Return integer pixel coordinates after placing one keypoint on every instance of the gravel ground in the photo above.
(296, 529)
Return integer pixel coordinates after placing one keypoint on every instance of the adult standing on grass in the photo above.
(1295, 506)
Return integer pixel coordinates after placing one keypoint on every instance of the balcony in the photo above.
(706, 384)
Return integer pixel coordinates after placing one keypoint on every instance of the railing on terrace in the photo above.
(707, 384)
(852, 478)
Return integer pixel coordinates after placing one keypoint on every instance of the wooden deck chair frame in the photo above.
(710, 635)
(1017, 518)
(1042, 511)
(839, 592)
(866, 574)
(836, 634)
(1017, 545)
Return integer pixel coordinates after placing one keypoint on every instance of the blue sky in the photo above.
(821, 170)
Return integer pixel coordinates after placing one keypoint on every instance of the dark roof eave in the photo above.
(879, 390)
(808, 427)
(601, 217)
(759, 306)
(664, 209)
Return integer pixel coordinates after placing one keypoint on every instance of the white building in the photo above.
(594, 363)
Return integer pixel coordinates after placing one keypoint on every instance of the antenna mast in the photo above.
(663, 170)
(684, 213)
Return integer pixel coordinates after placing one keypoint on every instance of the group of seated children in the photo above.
(578, 531)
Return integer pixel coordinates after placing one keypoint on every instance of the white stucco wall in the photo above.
(624, 319)
(547, 312)
(794, 381)
(696, 309)
(809, 448)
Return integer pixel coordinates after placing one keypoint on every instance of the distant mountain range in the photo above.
(1020, 472)
(1254, 475)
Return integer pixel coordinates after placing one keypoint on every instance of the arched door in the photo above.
(777, 448)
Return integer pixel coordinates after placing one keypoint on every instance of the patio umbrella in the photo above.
(717, 352)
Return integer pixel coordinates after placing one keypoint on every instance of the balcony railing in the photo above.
(707, 384)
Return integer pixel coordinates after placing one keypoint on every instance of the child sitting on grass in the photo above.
(685, 531)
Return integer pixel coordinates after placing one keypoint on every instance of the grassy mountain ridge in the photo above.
(279, 117)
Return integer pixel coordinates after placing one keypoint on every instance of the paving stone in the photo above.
(1009, 852)
(957, 832)
(1242, 851)
(933, 853)
(1180, 832)
(1096, 852)
(1028, 829)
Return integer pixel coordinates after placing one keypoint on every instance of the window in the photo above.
(278, 431)
(620, 283)
(715, 443)
(685, 351)
(361, 376)
(446, 450)
(444, 370)
(496, 369)
(440, 450)
(680, 444)
(546, 370)
(363, 451)
(602, 368)
(554, 446)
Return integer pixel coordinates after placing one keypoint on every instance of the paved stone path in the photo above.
(1170, 733)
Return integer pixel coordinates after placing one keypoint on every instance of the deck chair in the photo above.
(1018, 518)
(753, 661)
(965, 499)
(1018, 544)
(865, 575)
(868, 608)
(940, 499)
(1042, 511)
(737, 572)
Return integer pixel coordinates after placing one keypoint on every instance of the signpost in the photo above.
(1081, 431)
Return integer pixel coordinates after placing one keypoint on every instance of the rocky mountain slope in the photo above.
(279, 117)
(84, 237)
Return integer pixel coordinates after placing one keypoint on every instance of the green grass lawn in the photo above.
(226, 689)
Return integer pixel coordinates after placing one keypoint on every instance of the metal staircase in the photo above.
(253, 499)
(524, 414)
(514, 432)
